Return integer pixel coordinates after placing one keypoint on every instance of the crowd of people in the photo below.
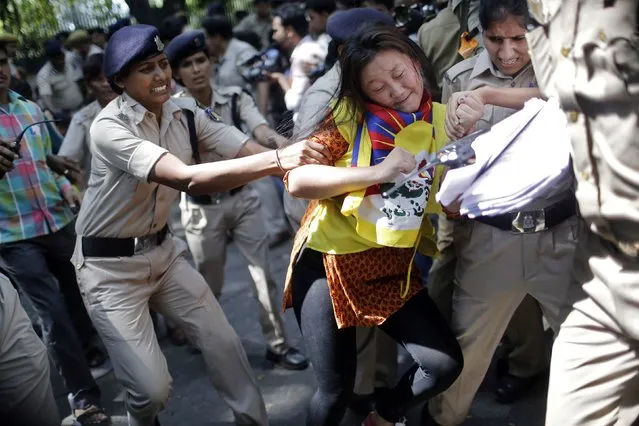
(139, 153)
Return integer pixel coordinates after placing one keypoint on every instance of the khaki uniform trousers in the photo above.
(376, 361)
(272, 205)
(530, 354)
(495, 271)
(594, 376)
(26, 396)
(206, 228)
(118, 293)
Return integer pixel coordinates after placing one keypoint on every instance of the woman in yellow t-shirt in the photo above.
(352, 259)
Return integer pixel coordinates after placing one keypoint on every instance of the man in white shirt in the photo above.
(290, 32)
(227, 51)
(60, 80)
(317, 13)
(76, 143)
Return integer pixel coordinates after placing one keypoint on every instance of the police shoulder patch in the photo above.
(213, 115)
(125, 118)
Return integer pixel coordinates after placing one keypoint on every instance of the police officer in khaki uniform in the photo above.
(208, 219)
(228, 52)
(26, 395)
(530, 355)
(585, 53)
(499, 261)
(126, 261)
(59, 80)
(441, 38)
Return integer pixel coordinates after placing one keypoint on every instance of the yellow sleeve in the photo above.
(439, 115)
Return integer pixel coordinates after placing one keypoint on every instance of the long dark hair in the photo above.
(357, 52)
(360, 49)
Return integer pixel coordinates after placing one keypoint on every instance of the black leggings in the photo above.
(418, 326)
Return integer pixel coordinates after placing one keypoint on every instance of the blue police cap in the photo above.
(129, 45)
(186, 44)
(344, 23)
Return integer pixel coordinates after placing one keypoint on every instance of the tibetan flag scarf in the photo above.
(394, 220)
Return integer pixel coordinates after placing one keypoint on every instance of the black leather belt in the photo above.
(117, 247)
(534, 220)
(216, 198)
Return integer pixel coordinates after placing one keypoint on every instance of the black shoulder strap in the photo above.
(465, 13)
(235, 113)
(190, 121)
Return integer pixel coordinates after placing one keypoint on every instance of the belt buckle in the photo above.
(218, 197)
(528, 222)
(143, 244)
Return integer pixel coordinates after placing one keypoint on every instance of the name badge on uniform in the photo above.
(125, 118)
(213, 115)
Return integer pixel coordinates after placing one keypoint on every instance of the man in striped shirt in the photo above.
(37, 240)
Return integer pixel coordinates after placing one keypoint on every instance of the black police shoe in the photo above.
(292, 359)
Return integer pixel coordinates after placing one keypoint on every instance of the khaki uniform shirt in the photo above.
(77, 141)
(227, 70)
(62, 86)
(126, 143)
(440, 37)
(259, 26)
(249, 115)
(479, 71)
(586, 55)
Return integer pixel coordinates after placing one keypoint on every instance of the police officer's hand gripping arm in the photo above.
(464, 109)
(252, 162)
(143, 73)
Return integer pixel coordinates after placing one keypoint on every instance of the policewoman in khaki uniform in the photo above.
(530, 354)
(452, 36)
(500, 260)
(207, 219)
(585, 53)
(125, 259)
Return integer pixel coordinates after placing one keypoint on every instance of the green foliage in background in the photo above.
(34, 21)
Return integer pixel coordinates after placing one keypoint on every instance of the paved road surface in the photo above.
(195, 402)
